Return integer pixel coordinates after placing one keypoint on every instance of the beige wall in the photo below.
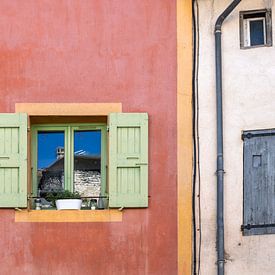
(249, 103)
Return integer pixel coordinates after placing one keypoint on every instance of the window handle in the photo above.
(132, 157)
(3, 157)
(142, 163)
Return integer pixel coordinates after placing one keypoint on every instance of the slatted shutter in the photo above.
(259, 182)
(128, 160)
(13, 160)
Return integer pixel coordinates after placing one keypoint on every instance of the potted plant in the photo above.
(65, 200)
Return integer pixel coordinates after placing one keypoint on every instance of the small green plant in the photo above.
(65, 194)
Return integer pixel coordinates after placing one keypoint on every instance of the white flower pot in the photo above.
(68, 204)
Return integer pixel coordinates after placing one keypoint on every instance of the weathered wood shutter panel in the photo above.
(128, 160)
(259, 182)
(13, 160)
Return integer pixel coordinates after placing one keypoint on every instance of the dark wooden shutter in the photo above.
(259, 182)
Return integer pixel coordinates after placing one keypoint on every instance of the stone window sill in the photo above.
(110, 215)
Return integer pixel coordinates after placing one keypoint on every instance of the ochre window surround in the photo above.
(68, 109)
(128, 151)
(42, 112)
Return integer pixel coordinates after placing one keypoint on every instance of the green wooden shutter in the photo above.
(13, 160)
(128, 160)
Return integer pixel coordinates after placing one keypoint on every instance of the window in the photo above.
(255, 28)
(69, 155)
(259, 182)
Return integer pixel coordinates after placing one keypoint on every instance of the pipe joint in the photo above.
(220, 171)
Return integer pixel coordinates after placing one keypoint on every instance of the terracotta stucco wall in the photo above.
(96, 51)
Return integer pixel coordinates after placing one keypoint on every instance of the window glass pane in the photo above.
(50, 162)
(87, 162)
(257, 32)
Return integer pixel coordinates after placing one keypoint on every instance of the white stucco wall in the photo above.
(249, 104)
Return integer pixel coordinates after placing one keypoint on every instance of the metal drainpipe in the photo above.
(220, 166)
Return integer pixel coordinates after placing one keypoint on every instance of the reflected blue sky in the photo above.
(257, 32)
(85, 143)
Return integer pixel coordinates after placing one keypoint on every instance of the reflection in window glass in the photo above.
(87, 163)
(50, 162)
(257, 32)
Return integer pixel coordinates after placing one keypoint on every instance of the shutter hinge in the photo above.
(251, 226)
(255, 134)
(108, 128)
(28, 128)
(247, 135)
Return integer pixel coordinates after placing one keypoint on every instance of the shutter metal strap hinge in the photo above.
(250, 135)
(251, 226)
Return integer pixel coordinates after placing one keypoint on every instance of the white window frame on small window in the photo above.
(246, 17)
(246, 23)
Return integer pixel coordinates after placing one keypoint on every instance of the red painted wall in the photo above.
(96, 51)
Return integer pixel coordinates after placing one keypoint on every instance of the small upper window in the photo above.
(255, 28)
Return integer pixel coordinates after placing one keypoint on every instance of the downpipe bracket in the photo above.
(220, 171)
